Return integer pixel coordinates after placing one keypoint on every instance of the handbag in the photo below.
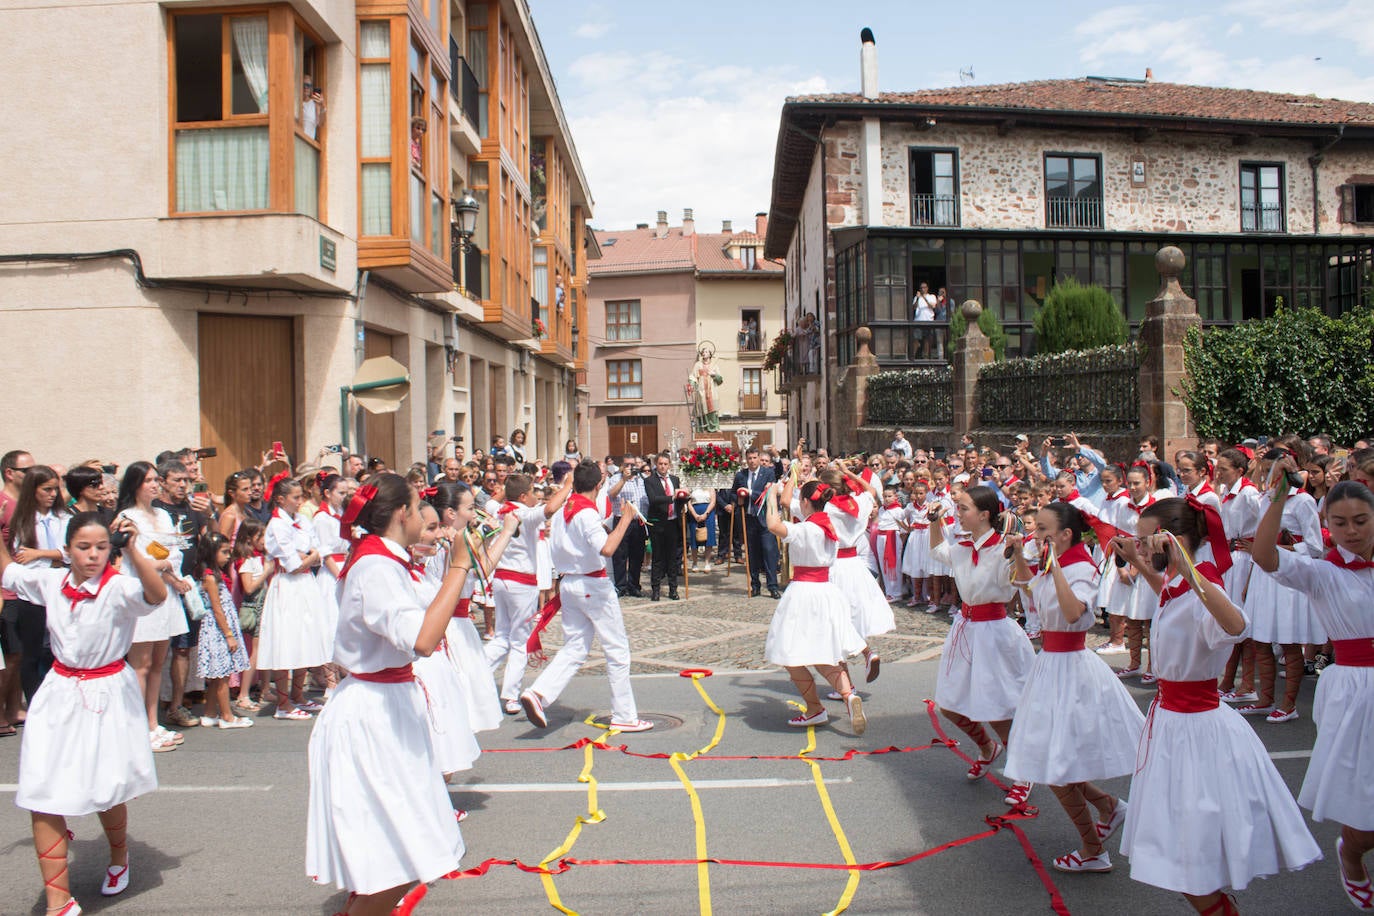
(701, 532)
(250, 611)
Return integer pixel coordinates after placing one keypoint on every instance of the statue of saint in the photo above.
(704, 379)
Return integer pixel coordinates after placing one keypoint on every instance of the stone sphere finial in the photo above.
(971, 309)
(863, 336)
(1169, 261)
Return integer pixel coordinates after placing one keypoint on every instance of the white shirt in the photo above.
(380, 614)
(1342, 599)
(328, 534)
(851, 529)
(521, 554)
(153, 526)
(807, 545)
(1210, 498)
(287, 539)
(1082, 578)
(576, 544)
(1240, 511)
(92, 633)
(1301, 520)
(1187, 643)
(924, 303)
(987, 583)
(50, 533)
(888, 518)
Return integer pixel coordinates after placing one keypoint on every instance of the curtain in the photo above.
(375, 40)
(222, 169)
(417, 210)
(307, 179)
(376, 198)
(376, 111)
(250, 45)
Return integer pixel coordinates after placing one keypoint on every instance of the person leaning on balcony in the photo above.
(923, 311)
(417, 140)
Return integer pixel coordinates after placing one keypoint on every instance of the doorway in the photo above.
(236, 352)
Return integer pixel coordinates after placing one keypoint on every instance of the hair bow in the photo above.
(356, 505)
(1216, 533)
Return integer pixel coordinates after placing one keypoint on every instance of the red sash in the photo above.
(464, 608)
(533, 646)
(1061, 641)
(1189, 696)
(1354, 653)
(889, 539)
(810, 573)
(387, 675)
(514, 575)
(847, 552)
(597, 574)
(86, 674)
(983, 612)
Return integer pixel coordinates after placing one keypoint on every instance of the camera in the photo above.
(207, 452)
(334, 449)
(1294, 480)
(119, 540)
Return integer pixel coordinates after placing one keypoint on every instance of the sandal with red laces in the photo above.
(803, 720)
(1020, 791)
(1226, 906)
(1359, 893)
(1106, 828)
(983, 764)
(1073, 862)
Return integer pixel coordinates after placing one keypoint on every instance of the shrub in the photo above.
(1078, 317)
(988, 323)
(1296, 371)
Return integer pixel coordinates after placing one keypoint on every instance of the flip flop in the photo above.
(8, 731)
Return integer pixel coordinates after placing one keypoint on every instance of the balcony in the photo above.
(255, 249)
(1264, 218)
(466, 99)
(751, 346)
(1073, 213)
(934, 210)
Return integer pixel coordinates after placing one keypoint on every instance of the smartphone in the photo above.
(334, 449)
(200, 487)
(207, 452)
(277, 449)
(109, 468)
(988, 473)
(1061, 441)
(438, 432)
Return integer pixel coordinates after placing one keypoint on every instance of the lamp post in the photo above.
(465, 211)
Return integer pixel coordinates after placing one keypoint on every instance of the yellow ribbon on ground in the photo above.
(676, 761)
(852, 885)
(594, 815)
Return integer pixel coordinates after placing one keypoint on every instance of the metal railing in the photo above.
(1085, 389)
(462, 84)
(911, 398)
(1074, 213)
(1267, 218)
(934, 210)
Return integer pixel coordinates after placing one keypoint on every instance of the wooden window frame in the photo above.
(638, 323)
(615, 380)
(280, 119)
(1258, 168)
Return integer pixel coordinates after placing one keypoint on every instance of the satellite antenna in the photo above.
(966, 75)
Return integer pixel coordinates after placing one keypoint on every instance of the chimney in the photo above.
(761, 224)
(661, 230)
(868, 65)
(689, 225)
(726, 227)
(1149, 75)
(641, 225)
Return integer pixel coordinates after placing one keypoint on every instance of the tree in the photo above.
(988, 323)
(1078, 317)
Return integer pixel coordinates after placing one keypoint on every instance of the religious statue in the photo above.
(704, 379)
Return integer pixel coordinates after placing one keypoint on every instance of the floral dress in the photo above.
(215, 659)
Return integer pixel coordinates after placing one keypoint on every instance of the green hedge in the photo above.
(1076, 316)
(911, 397)
(1083, 389)
(1296, 371)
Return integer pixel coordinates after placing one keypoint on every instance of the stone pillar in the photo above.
(1167, 319)
(971, 353)
(853, 391)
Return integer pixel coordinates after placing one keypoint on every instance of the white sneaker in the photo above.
(707, 567)
(1105, 649)
(236, 722)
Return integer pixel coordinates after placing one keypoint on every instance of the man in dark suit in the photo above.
(665, 526)
(763, 546)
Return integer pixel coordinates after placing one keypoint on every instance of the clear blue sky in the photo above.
(676, 105)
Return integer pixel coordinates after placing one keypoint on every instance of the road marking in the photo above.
(14, 787)
(1290, 755)
(647, 786)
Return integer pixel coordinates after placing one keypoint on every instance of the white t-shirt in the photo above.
(924, 304)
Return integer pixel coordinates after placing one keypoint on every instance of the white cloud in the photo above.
(658, 133)
(1349, 21)
(592, 29)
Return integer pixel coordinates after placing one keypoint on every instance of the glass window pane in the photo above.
(198, 48)
(376, 204)
(221, 169)
(376, 111)
(1056, 176)
(248, 65)
(307, 179)
(436, 225)
(375, 40)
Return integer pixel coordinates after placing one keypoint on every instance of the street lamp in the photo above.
(464, 220)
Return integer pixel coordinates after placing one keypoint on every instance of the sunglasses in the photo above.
(1004, 466)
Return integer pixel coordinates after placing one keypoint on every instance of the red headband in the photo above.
(355, 507)
(821, 489)
(1216, 533)
(272, 484)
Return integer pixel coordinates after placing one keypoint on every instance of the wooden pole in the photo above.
(686, 579)
(744, 526)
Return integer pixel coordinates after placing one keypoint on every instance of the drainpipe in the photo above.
(1314, 161)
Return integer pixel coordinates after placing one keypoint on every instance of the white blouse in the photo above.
(380, 614)
(1187, 643)
(1082, 577)
(1240, 511)
(287, 539)
(808, 545)
(1342, 599)
(88, 634)
(989, 582)
(849, 528)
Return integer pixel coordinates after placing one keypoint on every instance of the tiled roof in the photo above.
(1129, 97)
(641, 251)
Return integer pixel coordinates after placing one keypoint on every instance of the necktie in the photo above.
(750, 508)
(668, 492)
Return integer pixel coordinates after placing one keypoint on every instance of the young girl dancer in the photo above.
(1141, 608)
(1208, 810)
(252, 569)
(333, 552)
(78, 757)
(220, 651)
(942, 583)
(294, 633)
(1341, 587)
(1113, 594)
(1075, 722)
(849, 506)
(916, 555)
(153, 632)
(986, 657)
(813, 623)
(380, 817)
(1240, 514)
(888, 545)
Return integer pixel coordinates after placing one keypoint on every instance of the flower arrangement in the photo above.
(708, 459)
(538, 329)
(777, 350)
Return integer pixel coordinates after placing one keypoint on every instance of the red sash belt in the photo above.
(598, 574)
(1355, 653)
(514, 575)
(387, 675)
(338, 557)
(810, 573)
(464, 608)
(846, 552)
(1062, 641)
(1189, 696)
(984, 612)
(86, 674)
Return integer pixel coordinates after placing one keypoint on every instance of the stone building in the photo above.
(997, 192)
(657, 295)
(204, 249)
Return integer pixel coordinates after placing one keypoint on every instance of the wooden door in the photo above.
(379, 429)
(638, 436)
(247, 391)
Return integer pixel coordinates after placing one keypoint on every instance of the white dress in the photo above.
(1340, 778)
(916, 554)
(1113, 594)
(380, 814)
(1208, 809)
(1280, 614)
(984, 663)
(1144, 601)
(295, 631)
(868, 606)
(467, 655)
(813, 622)
(455, 747)
(333, 545)
(1075, 721)
(1240, 515)
(85, 746)
(889, 538)
(168, 619)
(934, 565)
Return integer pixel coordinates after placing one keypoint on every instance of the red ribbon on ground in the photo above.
(533, 646)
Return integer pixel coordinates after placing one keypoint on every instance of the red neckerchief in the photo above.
(1078, 553)
(846, 504)
(893, 505)
(325, 509)
(277, 513)
(1138, 508)
(990, 542)
(822, 521)
(1204, 569)
(1073, 494)
(370, 546)
(1334, 556)
(508, 508)
(1115, 496)
(417, 570)
(575, 504)
(854, 486)
(1235, 491)
(1203, 488)
(76, 594)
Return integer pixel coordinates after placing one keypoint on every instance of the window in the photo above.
(934, 188)
(751, 390)
(224, 71)
(622, 320)
(749, 256)
(1073, 191)
(623, 380)
(1261, 198)
(749, 338)
(1361, 203)
(374, 92)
